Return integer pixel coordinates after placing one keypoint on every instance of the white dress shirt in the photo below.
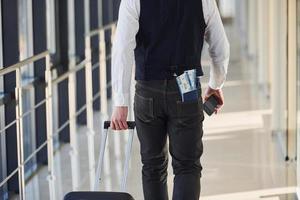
(125, 43)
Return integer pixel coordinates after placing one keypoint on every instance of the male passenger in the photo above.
(165, 38)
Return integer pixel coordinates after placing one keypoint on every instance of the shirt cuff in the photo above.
(216, 80)
(120, 99)
(213, 84)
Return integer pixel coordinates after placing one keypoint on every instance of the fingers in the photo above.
(119, 119)
(125, 125)
(220, 99)
(112, 125)
(206, 98)
(118, 124)
(218, 109)
(220, 102)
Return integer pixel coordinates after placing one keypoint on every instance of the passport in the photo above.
(187, 83)
(190, 96)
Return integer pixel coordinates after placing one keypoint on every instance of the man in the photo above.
(166, 37)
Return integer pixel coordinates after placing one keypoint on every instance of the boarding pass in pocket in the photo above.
(187, 83)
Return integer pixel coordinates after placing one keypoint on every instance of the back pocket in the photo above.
(143, 108)
(190, 109)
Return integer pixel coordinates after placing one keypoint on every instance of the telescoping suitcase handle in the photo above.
(131, 126)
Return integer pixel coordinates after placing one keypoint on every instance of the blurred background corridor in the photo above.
(55, 94)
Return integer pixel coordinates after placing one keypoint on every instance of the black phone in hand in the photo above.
(210, 105)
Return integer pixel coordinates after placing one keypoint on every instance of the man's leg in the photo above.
(185, 133)
(152, 134)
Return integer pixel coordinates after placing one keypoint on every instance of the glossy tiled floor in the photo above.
(241, 158)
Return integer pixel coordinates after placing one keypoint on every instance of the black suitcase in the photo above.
(107, 195)
(98, 196)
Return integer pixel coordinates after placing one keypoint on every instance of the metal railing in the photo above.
(73, 112)
(19, 118)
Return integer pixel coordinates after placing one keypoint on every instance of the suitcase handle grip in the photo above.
(131, 124)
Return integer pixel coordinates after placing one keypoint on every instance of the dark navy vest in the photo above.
(170, 38)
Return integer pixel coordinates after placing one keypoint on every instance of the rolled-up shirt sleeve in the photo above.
(219, 48)
(123, 51)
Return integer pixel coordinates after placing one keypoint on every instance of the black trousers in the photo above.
(160, 113)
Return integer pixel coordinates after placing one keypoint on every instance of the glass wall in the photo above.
(24, 35)
(2, 136)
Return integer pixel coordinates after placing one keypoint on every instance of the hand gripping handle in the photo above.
(131, 124)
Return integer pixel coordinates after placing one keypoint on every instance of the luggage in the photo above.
(107, 195)
(98, 196)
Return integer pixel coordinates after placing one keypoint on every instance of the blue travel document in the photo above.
(187, 83)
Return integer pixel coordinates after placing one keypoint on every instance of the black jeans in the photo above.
(159, 113)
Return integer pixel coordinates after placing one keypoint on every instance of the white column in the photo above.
(49, 118)
(103, 74)
(49, 103)
(50, 8)
(272, 37)
(252, 31)
(279, 73)
(20, 141)
(89, 95)
(262, 43)
(72, 99)
(292, 78)
(102, 64)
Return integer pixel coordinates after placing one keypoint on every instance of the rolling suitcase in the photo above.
(107, 195)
